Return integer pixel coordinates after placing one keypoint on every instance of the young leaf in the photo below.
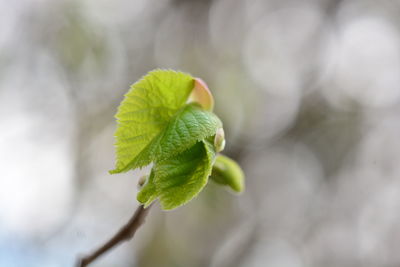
(179, 179)
(227, 172)
(190, 125)
(146, 111)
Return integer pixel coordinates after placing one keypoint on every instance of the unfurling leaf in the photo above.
(179, 179)
(202, 95)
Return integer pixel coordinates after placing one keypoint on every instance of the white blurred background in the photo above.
(309, 93)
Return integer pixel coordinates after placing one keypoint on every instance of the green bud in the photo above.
(142, 181)
(227, 172)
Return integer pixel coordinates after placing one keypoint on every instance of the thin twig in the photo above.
(124, 234)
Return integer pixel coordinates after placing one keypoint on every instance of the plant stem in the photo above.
(124, 234)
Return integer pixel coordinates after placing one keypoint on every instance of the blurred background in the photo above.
(309, 95)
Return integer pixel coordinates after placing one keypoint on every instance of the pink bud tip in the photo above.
(202, 95)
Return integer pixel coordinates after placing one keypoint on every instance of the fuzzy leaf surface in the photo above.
(179, 179)
(190, 125)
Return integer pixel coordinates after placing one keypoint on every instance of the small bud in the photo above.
(142, 181)
(227, 172)
(202, 95)
(219, 140)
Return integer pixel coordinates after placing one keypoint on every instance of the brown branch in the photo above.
(124, 234)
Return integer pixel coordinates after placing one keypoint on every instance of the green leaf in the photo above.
(227, 172)
(179, 179)
(146, 111)
(190, 125)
